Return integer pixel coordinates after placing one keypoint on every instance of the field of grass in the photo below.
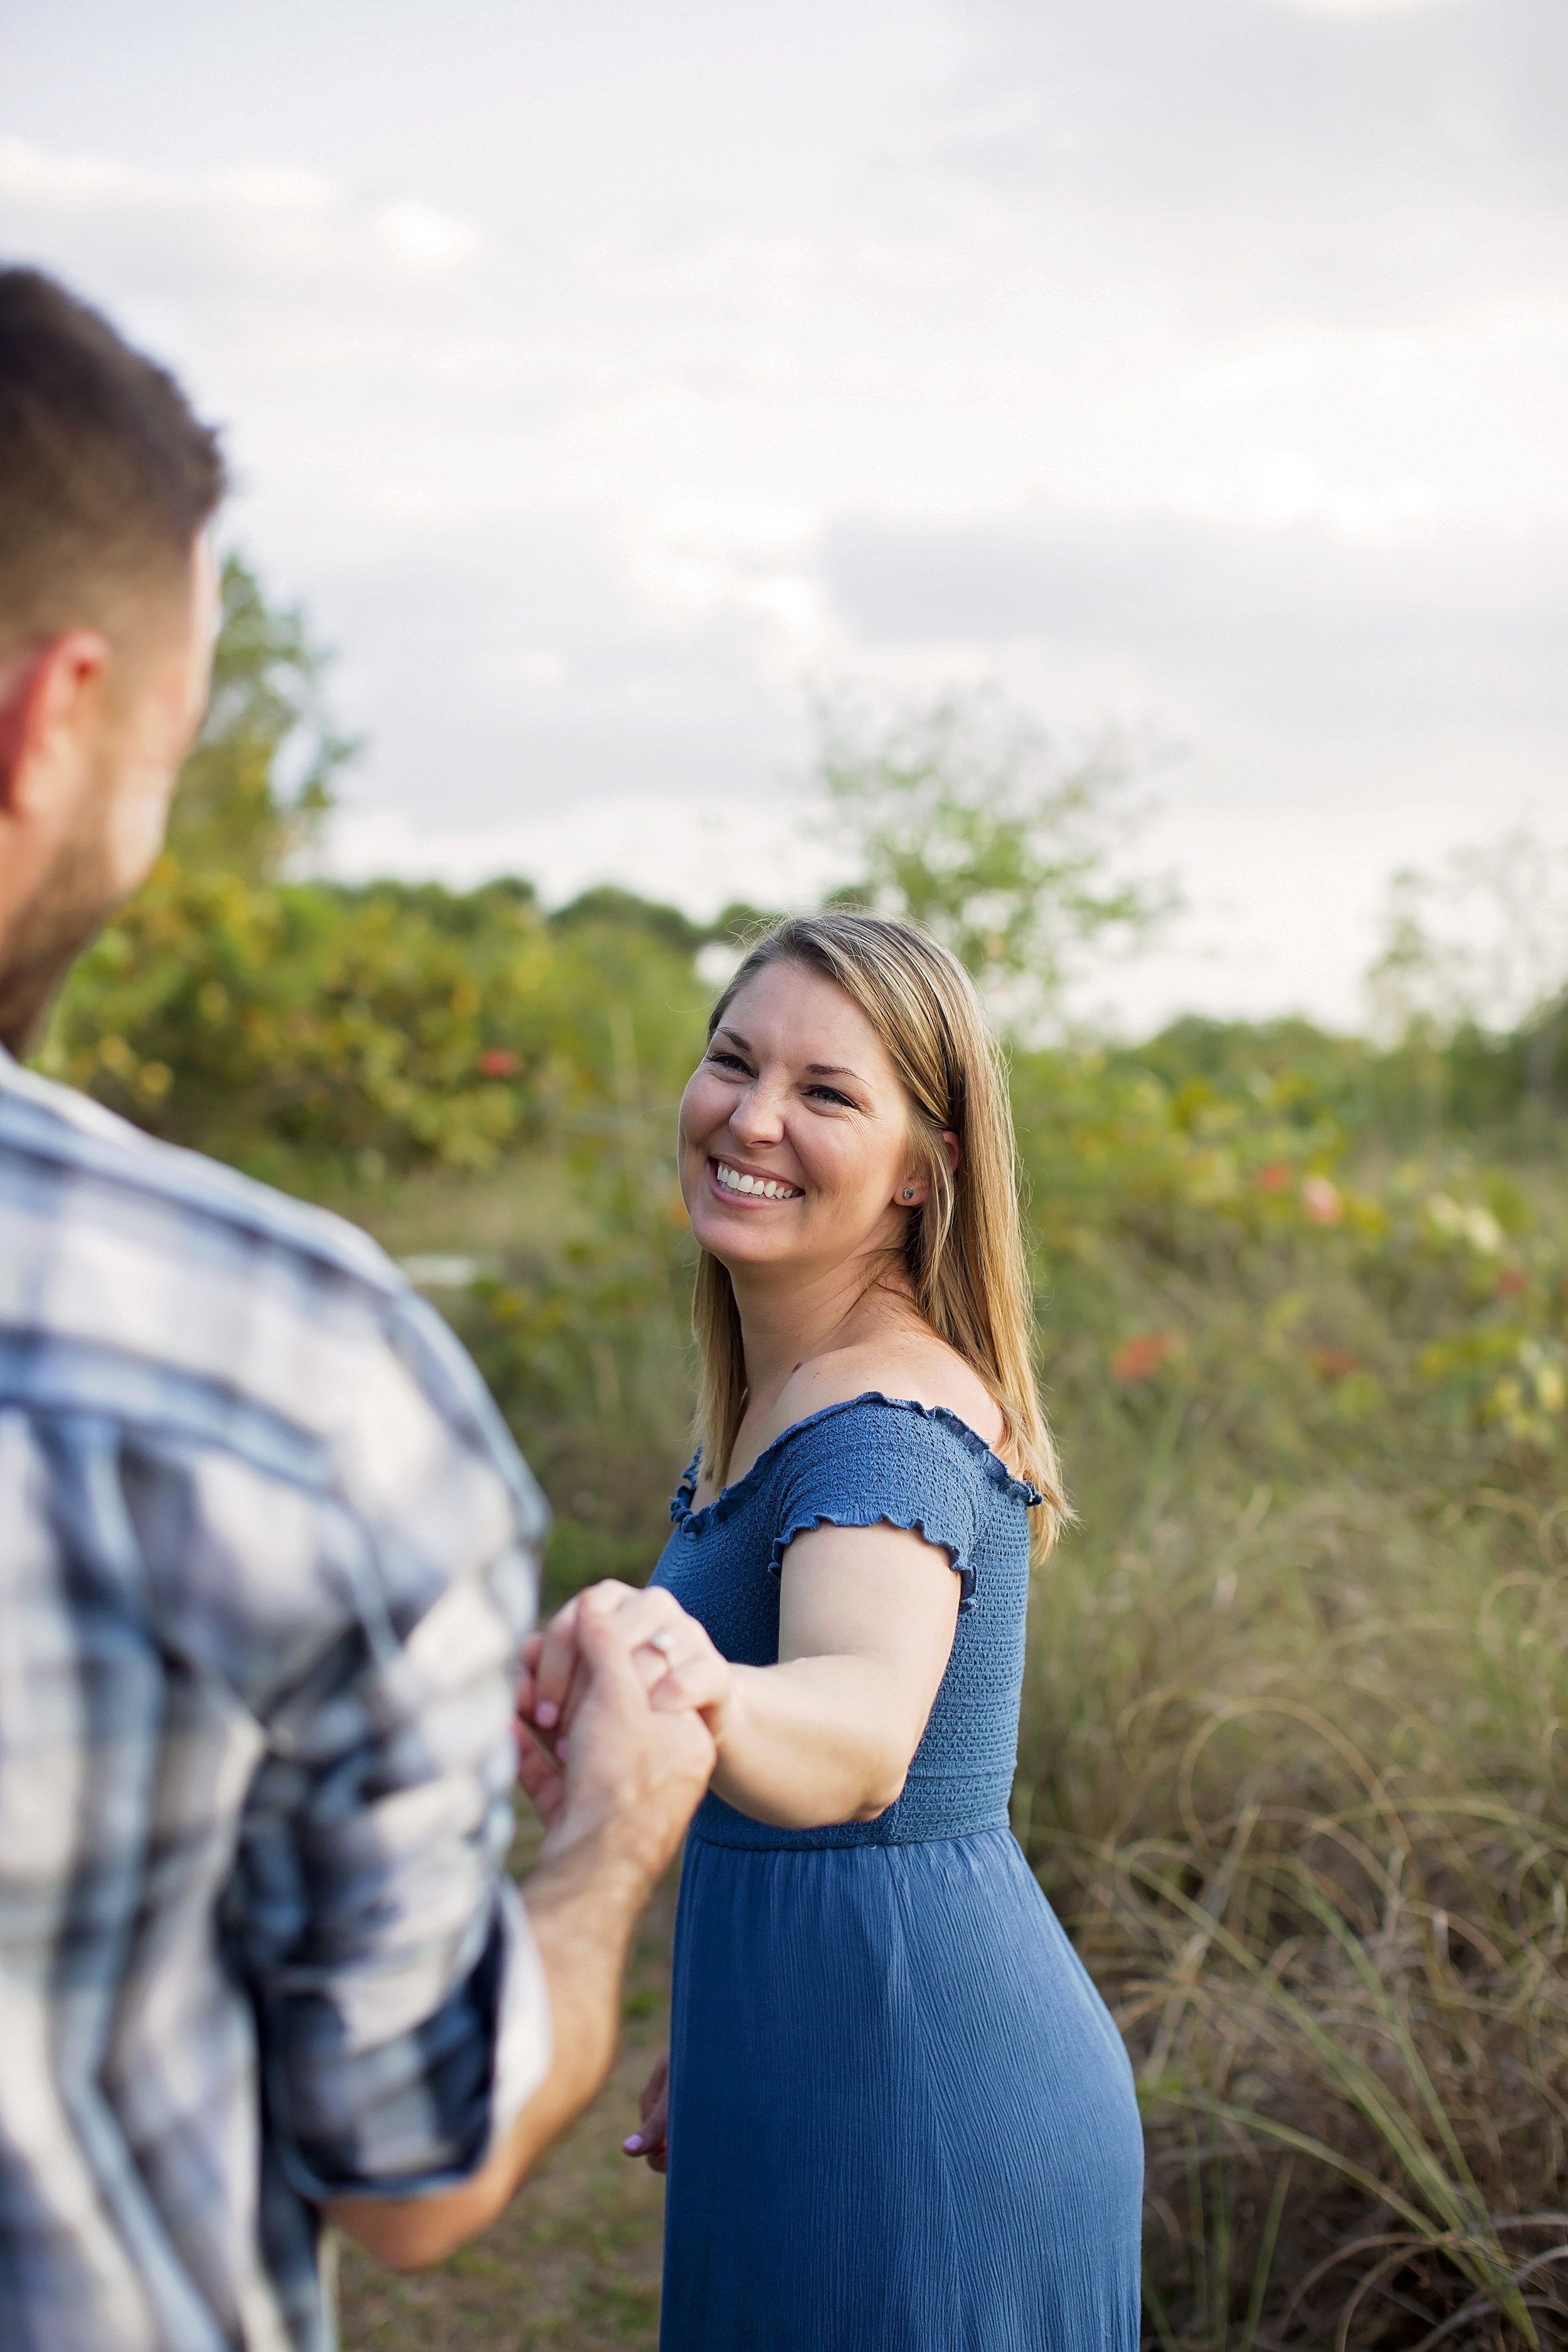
(1292, 1752)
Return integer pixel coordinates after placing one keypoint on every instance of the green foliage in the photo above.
(235, 814)
(614, 915)
(1472, 979)
(310, 1033)
(1290, 1761)
(306, 1033)
(587, 1353)
(963, 817)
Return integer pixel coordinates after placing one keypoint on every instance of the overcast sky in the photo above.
(606, 377)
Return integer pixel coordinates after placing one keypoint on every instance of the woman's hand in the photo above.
(539, 1770)
(653, 2140)
(680, 1666)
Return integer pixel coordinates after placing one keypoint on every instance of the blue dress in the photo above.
(902, 2119)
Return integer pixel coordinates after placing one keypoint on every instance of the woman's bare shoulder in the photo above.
(916, 1365)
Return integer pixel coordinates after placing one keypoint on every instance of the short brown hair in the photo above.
(106, 474)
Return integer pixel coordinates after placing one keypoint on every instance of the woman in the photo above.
(899, 2117)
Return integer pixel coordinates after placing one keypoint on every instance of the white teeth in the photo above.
(767, 1186)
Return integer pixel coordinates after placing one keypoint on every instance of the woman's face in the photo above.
(794, 1130)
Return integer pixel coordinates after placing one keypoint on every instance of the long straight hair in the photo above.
(963, 1245)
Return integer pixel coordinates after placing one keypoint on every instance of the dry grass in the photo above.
(1293, 1768)
(1304, 1830)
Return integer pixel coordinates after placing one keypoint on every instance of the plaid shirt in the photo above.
(265, 1555)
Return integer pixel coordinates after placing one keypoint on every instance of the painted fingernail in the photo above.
(634, 2147)
(546, 1713)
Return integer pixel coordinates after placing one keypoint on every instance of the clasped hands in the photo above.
(678, 1667)
(616, 1657)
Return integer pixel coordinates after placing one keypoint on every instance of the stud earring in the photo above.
(908, 1191)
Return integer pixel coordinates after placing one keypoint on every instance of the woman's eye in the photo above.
(832, 1095)
(730, 1062)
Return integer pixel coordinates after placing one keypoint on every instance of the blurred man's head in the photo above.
(108, 606)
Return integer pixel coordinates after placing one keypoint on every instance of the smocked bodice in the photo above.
(871, 1459)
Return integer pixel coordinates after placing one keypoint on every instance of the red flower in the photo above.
(1334, 1364)
(1138, 1359)
(498, 1062)
(1274, 1176)
(1512, 1283)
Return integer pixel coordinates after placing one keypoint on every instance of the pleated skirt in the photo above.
(902, 2117)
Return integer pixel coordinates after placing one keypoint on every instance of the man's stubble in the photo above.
(65, 913)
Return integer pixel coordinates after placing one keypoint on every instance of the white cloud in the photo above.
(423, 237)
(1366, 7)
(33, 175)
(277, 211)
(695, 561)
(1274, 487)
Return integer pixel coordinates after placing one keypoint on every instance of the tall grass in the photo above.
(1286, 1776)
(1292, 1760)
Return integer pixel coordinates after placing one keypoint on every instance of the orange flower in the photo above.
(1512, 1283)
(1274, 1176)
(1334, 1364)
(1138, 1359)
(498, 1062)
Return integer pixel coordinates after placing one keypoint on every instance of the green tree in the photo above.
(1481, 943)
(314, 1033)
(964, 816)
(238, 810)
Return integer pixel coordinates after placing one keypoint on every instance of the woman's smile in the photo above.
(738, 1180)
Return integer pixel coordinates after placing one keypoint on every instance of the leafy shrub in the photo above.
(1291, 1750)
(304, 1032)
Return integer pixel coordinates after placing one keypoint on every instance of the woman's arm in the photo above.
(865, 1626)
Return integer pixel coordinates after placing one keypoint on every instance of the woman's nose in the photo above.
(758, 1116)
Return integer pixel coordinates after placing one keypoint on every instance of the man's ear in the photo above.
(44, 694)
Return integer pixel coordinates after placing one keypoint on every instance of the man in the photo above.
(266, 1557)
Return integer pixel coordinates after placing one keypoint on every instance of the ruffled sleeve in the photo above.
(880, 1460)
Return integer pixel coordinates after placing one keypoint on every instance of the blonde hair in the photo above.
(963, 1245)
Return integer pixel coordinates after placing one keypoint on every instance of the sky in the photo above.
(612, 382)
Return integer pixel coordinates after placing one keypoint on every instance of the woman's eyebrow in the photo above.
(813, 1069)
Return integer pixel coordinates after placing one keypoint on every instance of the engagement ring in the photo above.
(664, 1644)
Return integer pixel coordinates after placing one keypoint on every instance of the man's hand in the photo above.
(674, 1656)
(635, 1763)
(678, 1666)
(632, 1777)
